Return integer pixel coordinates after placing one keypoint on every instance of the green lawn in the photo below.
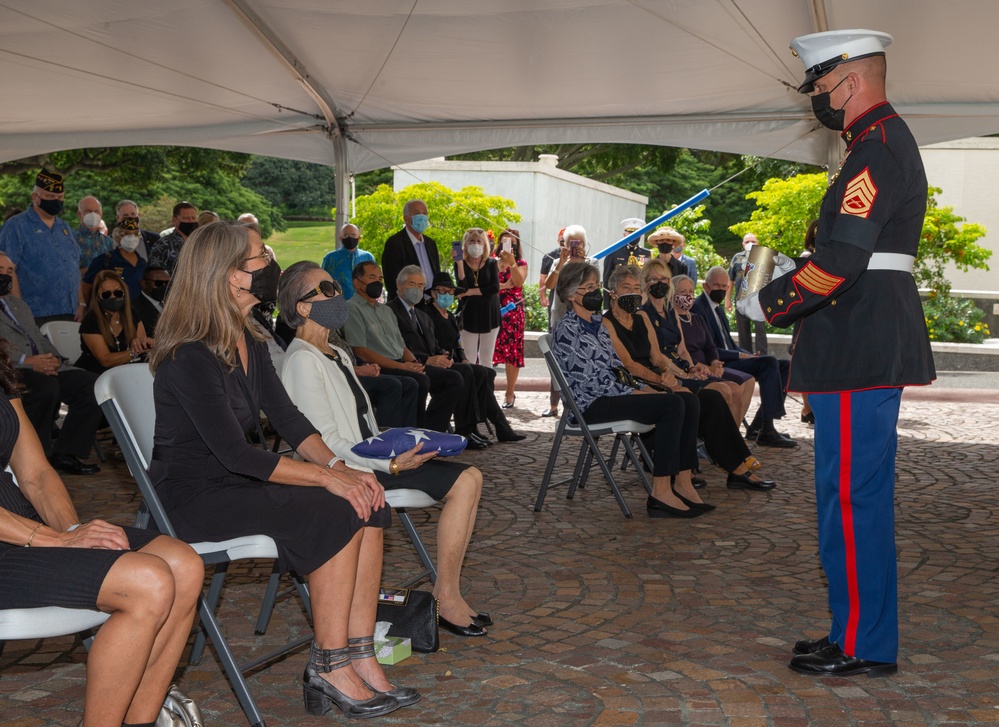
(303, 241)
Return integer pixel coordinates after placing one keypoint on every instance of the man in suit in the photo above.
(48, 381)
(410, 246)
(770, 372)
(149, 304)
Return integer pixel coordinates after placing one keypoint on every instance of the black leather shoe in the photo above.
(831, 661)
(72, 466)
(810, 646)
(808, 418)
(745, 481)
(475, 444)
(508, 435)
(405, 696)
(485, 441)
(694, 505)
(473, 629)
(657, 508)
(699, 483)
(752, 433)
(774, 439)
(482, 619)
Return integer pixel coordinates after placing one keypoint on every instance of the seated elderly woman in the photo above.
(656, 281)
(213, 377)
(636, 345)
(147, 582)
(585, 354)
(321, 382)
(108, 333)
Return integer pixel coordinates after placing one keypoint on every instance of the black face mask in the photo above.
(593, 301)
(264, 282)
(157, 293)
(6, 283)
(664, 248)
(186, 228)
(829, 117)
(112, 305)
(718, 296)
(629, 303)
(51, 206)
(659, 290)
(374, 290)
(349, 243)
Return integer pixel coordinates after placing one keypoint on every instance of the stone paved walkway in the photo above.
(605, 621)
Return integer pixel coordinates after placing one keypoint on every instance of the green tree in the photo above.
(784, 209)
(697, 240)
(295, 188)
(379, 214)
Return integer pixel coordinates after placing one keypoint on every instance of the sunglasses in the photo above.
(158, 283)
(327, 288)
(108, 294)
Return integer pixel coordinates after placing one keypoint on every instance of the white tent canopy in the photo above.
(361, 84)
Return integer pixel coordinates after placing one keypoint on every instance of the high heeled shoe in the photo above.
(320, 695)
(363, 647)
(657, 509)
(808, 418)
(509, 404)
(694, 505)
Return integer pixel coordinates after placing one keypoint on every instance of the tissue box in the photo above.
(392, 649)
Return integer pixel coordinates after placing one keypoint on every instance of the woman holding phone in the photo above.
(477, 273)
(510, 342)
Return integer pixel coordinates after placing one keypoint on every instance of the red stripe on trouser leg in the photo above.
(846, 508)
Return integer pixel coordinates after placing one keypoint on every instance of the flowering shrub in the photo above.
(956, 320)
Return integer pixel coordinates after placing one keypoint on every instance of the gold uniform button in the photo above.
(792, 294)
(780, 301)
(832, 302)
(769, 309)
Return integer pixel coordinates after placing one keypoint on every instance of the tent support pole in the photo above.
(341, 183)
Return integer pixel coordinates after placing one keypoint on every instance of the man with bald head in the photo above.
(89, 238)
(862, 340)
(340, 263)
(44, 249)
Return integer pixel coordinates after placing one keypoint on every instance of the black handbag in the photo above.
(413, 615)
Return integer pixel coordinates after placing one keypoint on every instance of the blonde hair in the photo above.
(470, 234)
(200, 306)
(657, 265)
(103, 324)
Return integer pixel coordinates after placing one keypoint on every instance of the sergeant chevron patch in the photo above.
(859, 195)
(816, 280)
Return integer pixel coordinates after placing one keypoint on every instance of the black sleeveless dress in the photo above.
(36, 577)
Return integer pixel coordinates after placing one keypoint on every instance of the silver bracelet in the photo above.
(332, 463)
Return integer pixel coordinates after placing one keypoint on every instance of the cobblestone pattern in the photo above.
(605, 621)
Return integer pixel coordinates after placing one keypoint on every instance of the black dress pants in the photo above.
(721, 435)
(675, 416)
(442, 386)
(41, 397)
(772, 375)
(394, 399)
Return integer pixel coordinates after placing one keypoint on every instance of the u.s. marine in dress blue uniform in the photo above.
(862, 338)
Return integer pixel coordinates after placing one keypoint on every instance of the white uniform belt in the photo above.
(891, 261)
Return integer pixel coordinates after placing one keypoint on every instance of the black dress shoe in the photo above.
(745, 481)
(473, 629)
(508, 435)
(774, 439)
(72, 466)
(831, 661)
(694, 505)
(657, 508)
(808, 418)
(474, 442)
(479, 438)
(482, 619)
(810, 646)
(699, 483)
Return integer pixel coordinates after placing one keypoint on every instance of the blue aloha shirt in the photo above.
(47, 260)
(586, 355)
(92, 243)
(340, 265)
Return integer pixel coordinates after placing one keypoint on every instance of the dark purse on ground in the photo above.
(413, 615)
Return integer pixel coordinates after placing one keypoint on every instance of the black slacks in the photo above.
(41, 397)
(394, 399)
(721, 435)
(442, 386)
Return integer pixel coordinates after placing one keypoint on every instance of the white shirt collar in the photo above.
(416, 240)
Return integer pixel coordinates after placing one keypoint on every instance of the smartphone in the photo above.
(507, 246)
(456, 250)
(575, 248)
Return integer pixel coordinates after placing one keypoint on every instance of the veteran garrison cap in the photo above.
(49, 181)
(821, 52)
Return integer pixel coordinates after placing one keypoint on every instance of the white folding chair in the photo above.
(125, 393)
(625, 431)
(65, 336)
(23, 624)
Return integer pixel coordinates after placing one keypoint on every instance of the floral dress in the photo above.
(510, 342)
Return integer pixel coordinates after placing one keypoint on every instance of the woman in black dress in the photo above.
(148, 582)
(478, 274)
(213, 376)
(109, 334)
(636, 345)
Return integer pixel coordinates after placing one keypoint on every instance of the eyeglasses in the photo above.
(327, 287)
(157, 283)
(107, 294)
(653, 281)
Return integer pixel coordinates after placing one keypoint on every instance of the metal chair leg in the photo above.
(267, 605)
(428, 564)
(550, 467)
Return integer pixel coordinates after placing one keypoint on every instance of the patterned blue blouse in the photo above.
(586, 356)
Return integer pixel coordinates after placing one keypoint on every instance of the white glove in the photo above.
(783, 265)
(750, 307)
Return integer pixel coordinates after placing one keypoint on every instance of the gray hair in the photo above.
(407, 272)
(676, 285)
(716, 271)
(573, 276)
(620, 273)
(117, 207)
(292, 287)
(79, 205)
(405, 207)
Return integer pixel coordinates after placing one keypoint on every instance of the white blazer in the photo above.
(320, 390)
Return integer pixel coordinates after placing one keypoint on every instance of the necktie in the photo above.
(722, 322)
(415, 320)
(17, 326)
